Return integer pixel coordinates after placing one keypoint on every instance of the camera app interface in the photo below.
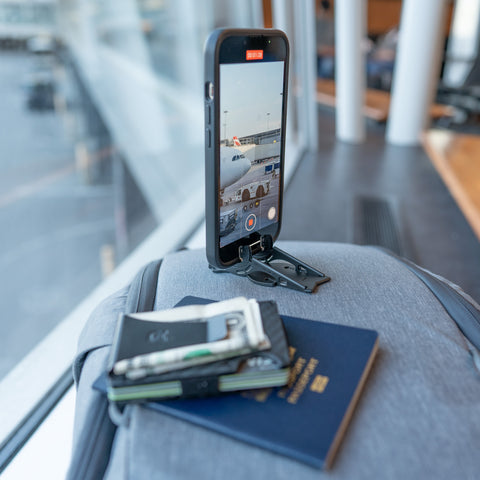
(251, 99)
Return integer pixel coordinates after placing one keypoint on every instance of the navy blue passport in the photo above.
(306, 419)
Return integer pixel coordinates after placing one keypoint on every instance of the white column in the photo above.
(350, 26)
(282, 13)
(417, 66)
(297, 20)
(305, 38)
(257, 13)
(282, 16)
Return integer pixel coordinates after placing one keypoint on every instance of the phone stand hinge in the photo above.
(271, 267)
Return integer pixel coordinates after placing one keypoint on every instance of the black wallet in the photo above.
(259, 369)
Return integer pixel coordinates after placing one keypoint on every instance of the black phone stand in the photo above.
(272, 266)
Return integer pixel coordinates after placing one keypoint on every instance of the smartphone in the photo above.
(246, 74)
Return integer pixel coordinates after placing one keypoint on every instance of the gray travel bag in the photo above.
(419, 413)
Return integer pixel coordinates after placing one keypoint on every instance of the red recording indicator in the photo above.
(254, 54)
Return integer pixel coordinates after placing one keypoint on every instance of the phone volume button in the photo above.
(208, 114)
(208, 138)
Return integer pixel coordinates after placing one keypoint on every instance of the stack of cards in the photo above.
(198, 350)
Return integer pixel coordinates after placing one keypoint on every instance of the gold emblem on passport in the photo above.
(319, 384)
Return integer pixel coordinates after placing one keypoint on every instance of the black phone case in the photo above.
(212, 137)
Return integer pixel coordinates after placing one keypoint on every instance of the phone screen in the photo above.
(251, 112)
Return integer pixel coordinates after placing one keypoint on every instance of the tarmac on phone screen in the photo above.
(254, 210)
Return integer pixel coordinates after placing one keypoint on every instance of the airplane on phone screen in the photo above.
(233, 165)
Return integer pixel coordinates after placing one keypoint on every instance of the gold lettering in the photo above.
(294, 373)
(302, 382)
(291, 352)
(263, 394)
(319, 384)
(259, 395)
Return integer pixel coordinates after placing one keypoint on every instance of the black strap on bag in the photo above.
(462, 311)
(142, 291)
(90, 459)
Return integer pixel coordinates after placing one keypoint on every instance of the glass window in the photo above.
(462, 47)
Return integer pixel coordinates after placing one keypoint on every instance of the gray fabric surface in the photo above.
(418, 417)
